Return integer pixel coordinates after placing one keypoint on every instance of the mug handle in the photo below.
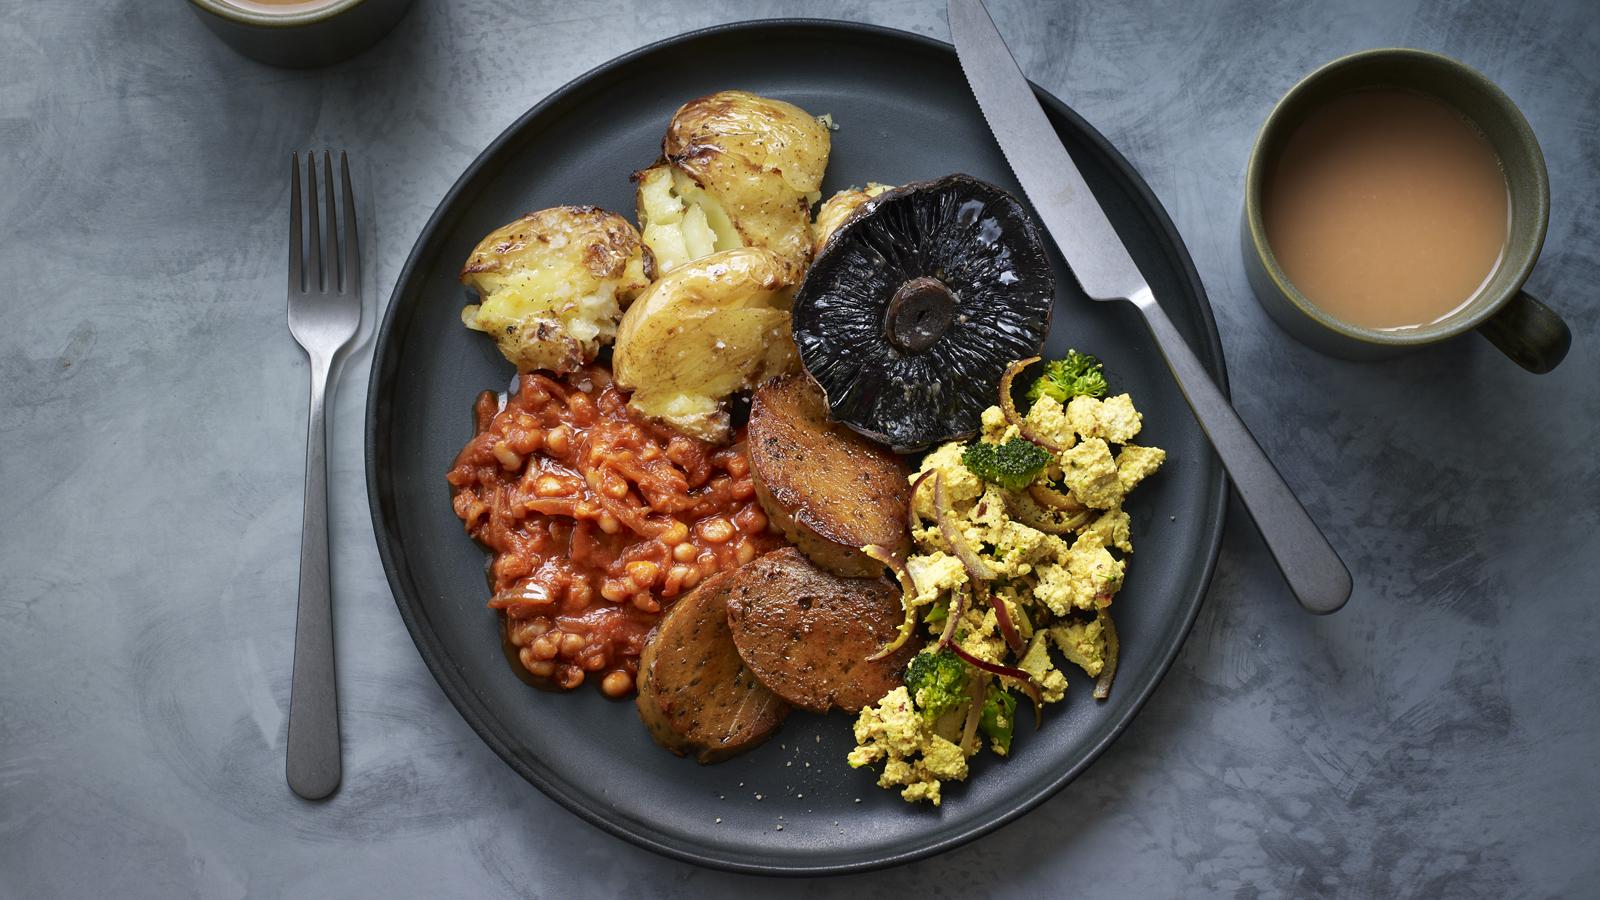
(1529, 332)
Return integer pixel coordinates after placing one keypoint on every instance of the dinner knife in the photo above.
(1105, 271)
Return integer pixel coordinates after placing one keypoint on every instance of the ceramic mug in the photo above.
(1521, 326)
(302, 39)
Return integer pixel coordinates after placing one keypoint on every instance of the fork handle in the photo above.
(312, 765)
(1316, 575)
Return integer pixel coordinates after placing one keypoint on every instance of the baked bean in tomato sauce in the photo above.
(596, 522)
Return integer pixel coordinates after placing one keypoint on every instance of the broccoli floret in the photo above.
(936, 682)
(1012, 465)
(999, 719)
(1078, 375)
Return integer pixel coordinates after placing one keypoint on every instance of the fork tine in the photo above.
(350, 266)
(314, 280)
(331, 257)
(297, 280)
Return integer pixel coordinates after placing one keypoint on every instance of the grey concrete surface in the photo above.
(1436, 739)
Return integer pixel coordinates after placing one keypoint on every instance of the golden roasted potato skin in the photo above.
(708, 328)
(552, 284)
(838, 209)
(758, 160)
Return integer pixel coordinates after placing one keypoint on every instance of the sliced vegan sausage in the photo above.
(830, 490)
(807, 633)
(695, 693)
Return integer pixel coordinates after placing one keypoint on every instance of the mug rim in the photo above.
(243, 16)
(1425, 334)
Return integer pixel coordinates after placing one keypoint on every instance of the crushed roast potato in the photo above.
(736, 170)
(836, 209)
(552, 284)
(703, 331)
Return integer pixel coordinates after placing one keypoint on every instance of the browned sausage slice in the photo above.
(695, 694)
(807, 633)
(830, 490)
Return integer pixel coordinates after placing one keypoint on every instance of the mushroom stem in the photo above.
(918, 314)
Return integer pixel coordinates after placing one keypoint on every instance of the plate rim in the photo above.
(460, 694)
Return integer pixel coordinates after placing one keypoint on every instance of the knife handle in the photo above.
(1309, 563)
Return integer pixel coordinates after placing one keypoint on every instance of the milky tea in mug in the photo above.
(1387, 208)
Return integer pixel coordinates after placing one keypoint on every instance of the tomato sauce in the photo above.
(596, 521)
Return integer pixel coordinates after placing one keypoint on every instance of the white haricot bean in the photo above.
(716, 529)
(676, 533)
(616, 684)
(545, 645)
(752, 519)
(643, 573)
(557, 440)
(510, 460)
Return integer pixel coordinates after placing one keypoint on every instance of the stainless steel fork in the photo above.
(324, 313)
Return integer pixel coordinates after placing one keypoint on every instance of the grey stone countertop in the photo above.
(1435, 739)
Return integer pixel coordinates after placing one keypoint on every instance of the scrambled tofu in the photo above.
(1113, 528)
(935, 575)
(1090, 472)
(1134, 464)
(1086, 577)
(1049, 419)
(1056, 574)
(1037, 662)
(1083, 643)
(1113, 419)
(914, 757)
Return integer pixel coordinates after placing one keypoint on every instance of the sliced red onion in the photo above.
(1035, 517)
(1002, 617)
(958, 607)
(908, 591)
(974, 714)
(1023, 679)
(912, 519)
(1108, 672)
(1045, 495)
(1008, 407)
(977, 569)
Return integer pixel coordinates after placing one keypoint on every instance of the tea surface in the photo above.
(1387, 208)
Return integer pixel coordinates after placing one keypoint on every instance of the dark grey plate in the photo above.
(904, 114)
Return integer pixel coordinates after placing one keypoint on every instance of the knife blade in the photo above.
(1048, 175)
(1100, 262)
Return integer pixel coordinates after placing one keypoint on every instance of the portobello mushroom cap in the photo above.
(916, 305)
